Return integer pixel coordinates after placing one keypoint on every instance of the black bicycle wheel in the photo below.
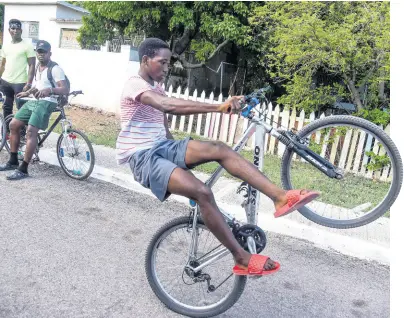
(167, 256)
(369, 160)
(75, 154)
(7, 122)
(3, 132)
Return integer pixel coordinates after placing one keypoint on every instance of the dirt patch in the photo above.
(102, 128)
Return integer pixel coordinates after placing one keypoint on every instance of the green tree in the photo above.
(203, 28)
(321, 50)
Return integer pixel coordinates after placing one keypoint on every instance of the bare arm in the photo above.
(60, 89)
(2, 66)
(168, 133)
(31, 70)
(178, 106)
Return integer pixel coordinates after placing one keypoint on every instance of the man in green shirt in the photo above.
(16, 55)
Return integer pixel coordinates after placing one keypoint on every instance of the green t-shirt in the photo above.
(16, 55)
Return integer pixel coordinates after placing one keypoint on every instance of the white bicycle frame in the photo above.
(260, 128)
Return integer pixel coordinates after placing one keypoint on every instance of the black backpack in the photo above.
(62, 98)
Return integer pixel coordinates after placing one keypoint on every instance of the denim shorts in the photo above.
(153, 167)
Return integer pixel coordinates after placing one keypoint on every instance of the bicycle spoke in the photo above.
(185, 254)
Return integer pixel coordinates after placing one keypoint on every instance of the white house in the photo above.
(54, 21)
(100, 74)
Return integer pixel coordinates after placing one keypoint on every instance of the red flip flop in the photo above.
(255, 267)
(295, 201)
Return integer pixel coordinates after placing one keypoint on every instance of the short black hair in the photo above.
(150, 46)
(14, 21)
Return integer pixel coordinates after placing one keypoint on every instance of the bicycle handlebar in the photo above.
(75, 93)
(253, 99)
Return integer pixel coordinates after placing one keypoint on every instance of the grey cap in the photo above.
(43, 45)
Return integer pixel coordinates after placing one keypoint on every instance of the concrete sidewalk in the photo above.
(368, 242)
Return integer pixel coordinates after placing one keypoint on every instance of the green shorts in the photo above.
(36, 113)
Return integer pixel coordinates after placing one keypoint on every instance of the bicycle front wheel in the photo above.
(23, 141)
(369, 160)
(3, 132)
(75, 154)
(191, 295)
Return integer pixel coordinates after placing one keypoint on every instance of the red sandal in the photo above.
(255, 267)
(295, 201)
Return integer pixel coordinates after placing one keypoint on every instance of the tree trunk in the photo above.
(354, 92)
(382, 97)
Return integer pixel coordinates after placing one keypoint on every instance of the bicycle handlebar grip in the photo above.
(251, 104)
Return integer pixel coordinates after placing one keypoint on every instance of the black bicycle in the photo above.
(73, 148)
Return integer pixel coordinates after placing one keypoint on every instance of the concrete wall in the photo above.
(100, 75)
(48, 30)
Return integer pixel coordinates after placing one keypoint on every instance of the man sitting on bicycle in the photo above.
(161, 164)
(36, 111)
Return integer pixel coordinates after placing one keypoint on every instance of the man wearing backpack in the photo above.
(49, 83)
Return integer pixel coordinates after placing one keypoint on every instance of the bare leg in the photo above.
(205, 151)
(15, 128)
(185, 184)
(32, 142)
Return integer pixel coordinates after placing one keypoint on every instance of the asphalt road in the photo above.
(76, 249)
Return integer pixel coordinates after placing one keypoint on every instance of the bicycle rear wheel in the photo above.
(369, 160)
(166, 258)
(75, 154)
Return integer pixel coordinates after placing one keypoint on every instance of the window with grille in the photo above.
(30, 30)
(68, 39)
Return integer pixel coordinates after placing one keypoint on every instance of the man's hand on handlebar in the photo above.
(42, 93)
(32, 91)
(22, 94)
(232, 105)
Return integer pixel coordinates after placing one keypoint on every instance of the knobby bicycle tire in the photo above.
(394, 155)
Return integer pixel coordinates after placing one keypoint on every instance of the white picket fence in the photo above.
(351, 156)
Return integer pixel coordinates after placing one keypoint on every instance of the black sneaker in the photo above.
(16, 175)
(8, 166)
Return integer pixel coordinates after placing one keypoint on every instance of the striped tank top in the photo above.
(142, 126)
